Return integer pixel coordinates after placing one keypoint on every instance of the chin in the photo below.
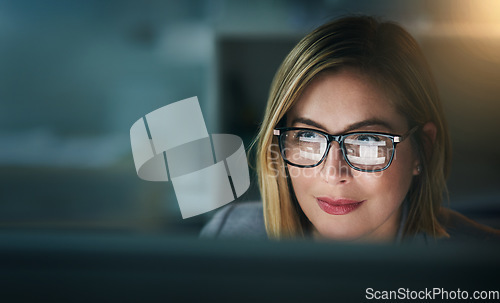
(334, 233)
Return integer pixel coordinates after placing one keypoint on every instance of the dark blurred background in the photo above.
(75, 76)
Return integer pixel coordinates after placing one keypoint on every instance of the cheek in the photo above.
(393, 182)
(302, 179)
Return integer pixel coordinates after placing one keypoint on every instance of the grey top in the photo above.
(237, 220)
(246, 220)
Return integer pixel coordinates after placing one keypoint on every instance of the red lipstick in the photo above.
(339, 206)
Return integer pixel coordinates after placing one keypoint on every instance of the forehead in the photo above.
(340, 98)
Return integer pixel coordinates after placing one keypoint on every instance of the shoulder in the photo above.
(243, 219)
(461, 228)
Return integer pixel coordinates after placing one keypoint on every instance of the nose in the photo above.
(334, 169)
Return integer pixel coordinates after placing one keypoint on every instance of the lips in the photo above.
(338, 206)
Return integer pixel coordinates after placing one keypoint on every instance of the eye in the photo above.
(367, 138)
(307, 134)
(364, 139)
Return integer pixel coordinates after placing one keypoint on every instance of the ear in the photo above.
(429, 130)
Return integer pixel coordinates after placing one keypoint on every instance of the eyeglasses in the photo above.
(363, 151)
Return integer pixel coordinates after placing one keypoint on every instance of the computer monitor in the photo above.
(125, 267)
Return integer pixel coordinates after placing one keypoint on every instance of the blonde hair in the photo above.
(392, 57)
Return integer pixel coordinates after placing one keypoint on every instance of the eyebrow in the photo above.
(354, 126)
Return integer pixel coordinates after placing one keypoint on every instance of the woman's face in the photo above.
(340, 202)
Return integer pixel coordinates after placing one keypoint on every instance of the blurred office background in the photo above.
(75, 76)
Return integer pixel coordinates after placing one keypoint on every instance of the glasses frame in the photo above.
(395, 139)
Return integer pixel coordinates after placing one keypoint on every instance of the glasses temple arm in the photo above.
(409, 133)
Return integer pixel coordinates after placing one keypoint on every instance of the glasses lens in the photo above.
(368, 151)
(303, 147)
